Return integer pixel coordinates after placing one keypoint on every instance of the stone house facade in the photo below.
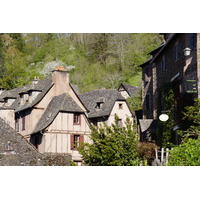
(55, 117)
(168, 65)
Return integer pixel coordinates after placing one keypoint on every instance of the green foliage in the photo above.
(186, 154)
(100, 60)
(164, 131)
(111, 146)
(192, 117)
(135, 103)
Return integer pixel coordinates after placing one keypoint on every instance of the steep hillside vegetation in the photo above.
(96, 60)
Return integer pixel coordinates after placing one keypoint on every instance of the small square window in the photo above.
(120, 106)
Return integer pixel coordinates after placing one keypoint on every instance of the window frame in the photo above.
(77, 119)
(120, 106)
(74, 143)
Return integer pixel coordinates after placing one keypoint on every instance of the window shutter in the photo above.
(72, 141)
(23, 123)
(81, 138)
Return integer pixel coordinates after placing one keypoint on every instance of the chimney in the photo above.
(60, 78)
(35, 80)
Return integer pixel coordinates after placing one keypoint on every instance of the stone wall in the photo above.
(15, 150)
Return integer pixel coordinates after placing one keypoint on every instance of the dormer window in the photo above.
(33, 95)
(8, 102)
(99, 105)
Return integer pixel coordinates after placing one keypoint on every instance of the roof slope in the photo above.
(105, 96)
(57, 104)
(43, 86)
(132, 90)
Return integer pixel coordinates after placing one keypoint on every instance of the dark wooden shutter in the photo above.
(72, 141)
(81, 138)
(23, 123)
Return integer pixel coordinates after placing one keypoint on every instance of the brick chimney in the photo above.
(60, 78)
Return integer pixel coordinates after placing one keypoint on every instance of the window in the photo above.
(120, 122)
(23, 123)
(99, 105)
(77, 119)
(120, 106)
(147, 102)
(76, 140)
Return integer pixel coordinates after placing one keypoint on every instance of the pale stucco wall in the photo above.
(122, 113)
(9, 117)
(57, 138)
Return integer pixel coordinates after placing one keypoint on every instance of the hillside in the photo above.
(96, 60)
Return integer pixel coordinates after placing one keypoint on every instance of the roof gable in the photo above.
(106, 97)
(131, 90)
(58, 103)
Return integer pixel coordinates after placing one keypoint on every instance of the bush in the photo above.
(187, 154)
(146, 151)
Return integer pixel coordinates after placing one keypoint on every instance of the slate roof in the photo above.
(146, 124)
(171, 37)
(42, 85)
(59, 103)
(132, 90)
(106, 96)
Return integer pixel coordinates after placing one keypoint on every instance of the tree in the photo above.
(188, 153)
(111, 146)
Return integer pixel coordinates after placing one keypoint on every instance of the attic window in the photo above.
(120, 106)
(99, 105)
(77, 119)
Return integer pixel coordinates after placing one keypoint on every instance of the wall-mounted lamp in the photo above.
(164, 117)
(187, 51)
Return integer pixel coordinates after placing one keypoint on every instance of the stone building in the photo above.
(168, 64)
(55, 117)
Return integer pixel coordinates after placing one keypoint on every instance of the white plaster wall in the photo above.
(57, 138)
(122, 113)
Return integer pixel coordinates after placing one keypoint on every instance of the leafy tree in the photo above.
(111, 146)
(135, 102)
(186, 154)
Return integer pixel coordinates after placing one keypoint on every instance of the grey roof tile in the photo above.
(145, 124)
(132, 90)
(43, 86)
(105, 96)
